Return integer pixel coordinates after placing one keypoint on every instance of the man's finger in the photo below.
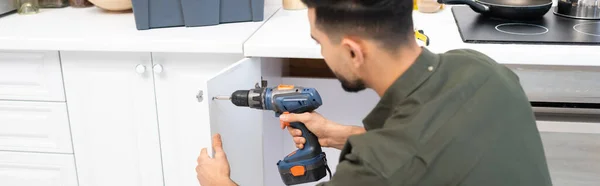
(217, 144)
(203, 155)
(282, 124)
(218, 147)
(299, 140)
(295, 132)
(303, 117)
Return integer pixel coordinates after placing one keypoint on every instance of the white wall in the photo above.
(335, 100)
(273, 2)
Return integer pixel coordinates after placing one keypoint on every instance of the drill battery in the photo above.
(304, 171)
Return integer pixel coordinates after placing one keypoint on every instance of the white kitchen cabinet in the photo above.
(572, 152)
(36, 169)
(112, 110)
(34, 127)
(30, 75)
(183, 119)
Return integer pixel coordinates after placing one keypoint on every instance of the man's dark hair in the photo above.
(387, 21)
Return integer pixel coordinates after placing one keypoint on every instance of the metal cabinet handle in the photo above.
(157, 68)
(140, 69)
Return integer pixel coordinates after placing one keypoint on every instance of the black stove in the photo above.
(552, 29)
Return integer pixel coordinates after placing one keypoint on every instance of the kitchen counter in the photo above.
(287, 35)
(92, 29)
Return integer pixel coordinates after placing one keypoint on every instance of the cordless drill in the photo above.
(302, 165)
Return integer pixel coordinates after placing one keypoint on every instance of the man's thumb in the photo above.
(217, 145)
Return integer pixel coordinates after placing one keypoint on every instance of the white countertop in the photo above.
(92, 29)
(287, 35)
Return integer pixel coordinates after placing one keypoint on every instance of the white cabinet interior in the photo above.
(112, 111)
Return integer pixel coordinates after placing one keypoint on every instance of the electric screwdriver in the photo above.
(302, 165)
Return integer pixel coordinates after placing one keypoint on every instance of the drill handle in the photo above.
(311, 148)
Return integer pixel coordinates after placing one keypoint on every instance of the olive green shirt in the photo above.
(457, 118)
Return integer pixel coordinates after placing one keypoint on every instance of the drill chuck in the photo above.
(252, 98)
(240, 98)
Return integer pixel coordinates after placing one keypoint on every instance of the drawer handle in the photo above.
(140, 69)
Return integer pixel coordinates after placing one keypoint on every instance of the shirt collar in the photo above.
(425, 64)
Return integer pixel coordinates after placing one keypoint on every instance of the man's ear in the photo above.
(355, 51)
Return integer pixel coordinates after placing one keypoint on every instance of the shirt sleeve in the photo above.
(352, 171)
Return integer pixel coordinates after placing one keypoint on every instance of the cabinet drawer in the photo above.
(30, 76)
(572, 151)
(29, 169)
(34, 126)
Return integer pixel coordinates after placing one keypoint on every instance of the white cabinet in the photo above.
(34, 127)
(36, 169)
(572, 151)
(31, 75)
(112, 112)
(183, 120)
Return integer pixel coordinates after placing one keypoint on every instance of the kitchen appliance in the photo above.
(550, 29)
(578, 9)
(7, 6)
(507, 9)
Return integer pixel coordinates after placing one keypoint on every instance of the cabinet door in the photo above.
(34, 127)
(112, 110)
(241, 128)
(183, 120)
(573, 152)
(29, 169)
(31, 75)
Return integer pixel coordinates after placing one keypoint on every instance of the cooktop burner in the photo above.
(552, 29)
(521, 29)
(592, 29)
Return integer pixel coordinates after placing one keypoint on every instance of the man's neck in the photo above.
(389, 68)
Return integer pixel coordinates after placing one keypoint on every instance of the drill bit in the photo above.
(222, 98)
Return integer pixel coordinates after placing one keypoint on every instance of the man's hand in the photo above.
(330, 134)
(214, 171)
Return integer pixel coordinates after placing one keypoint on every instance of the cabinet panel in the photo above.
(34, 126)
(573, 152)
(183, 120)
(112, 110)
(30, 76)
(27, 169)
(241, 128)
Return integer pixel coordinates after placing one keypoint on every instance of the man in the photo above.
(456, 118)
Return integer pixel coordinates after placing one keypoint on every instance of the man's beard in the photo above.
(351, 86)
